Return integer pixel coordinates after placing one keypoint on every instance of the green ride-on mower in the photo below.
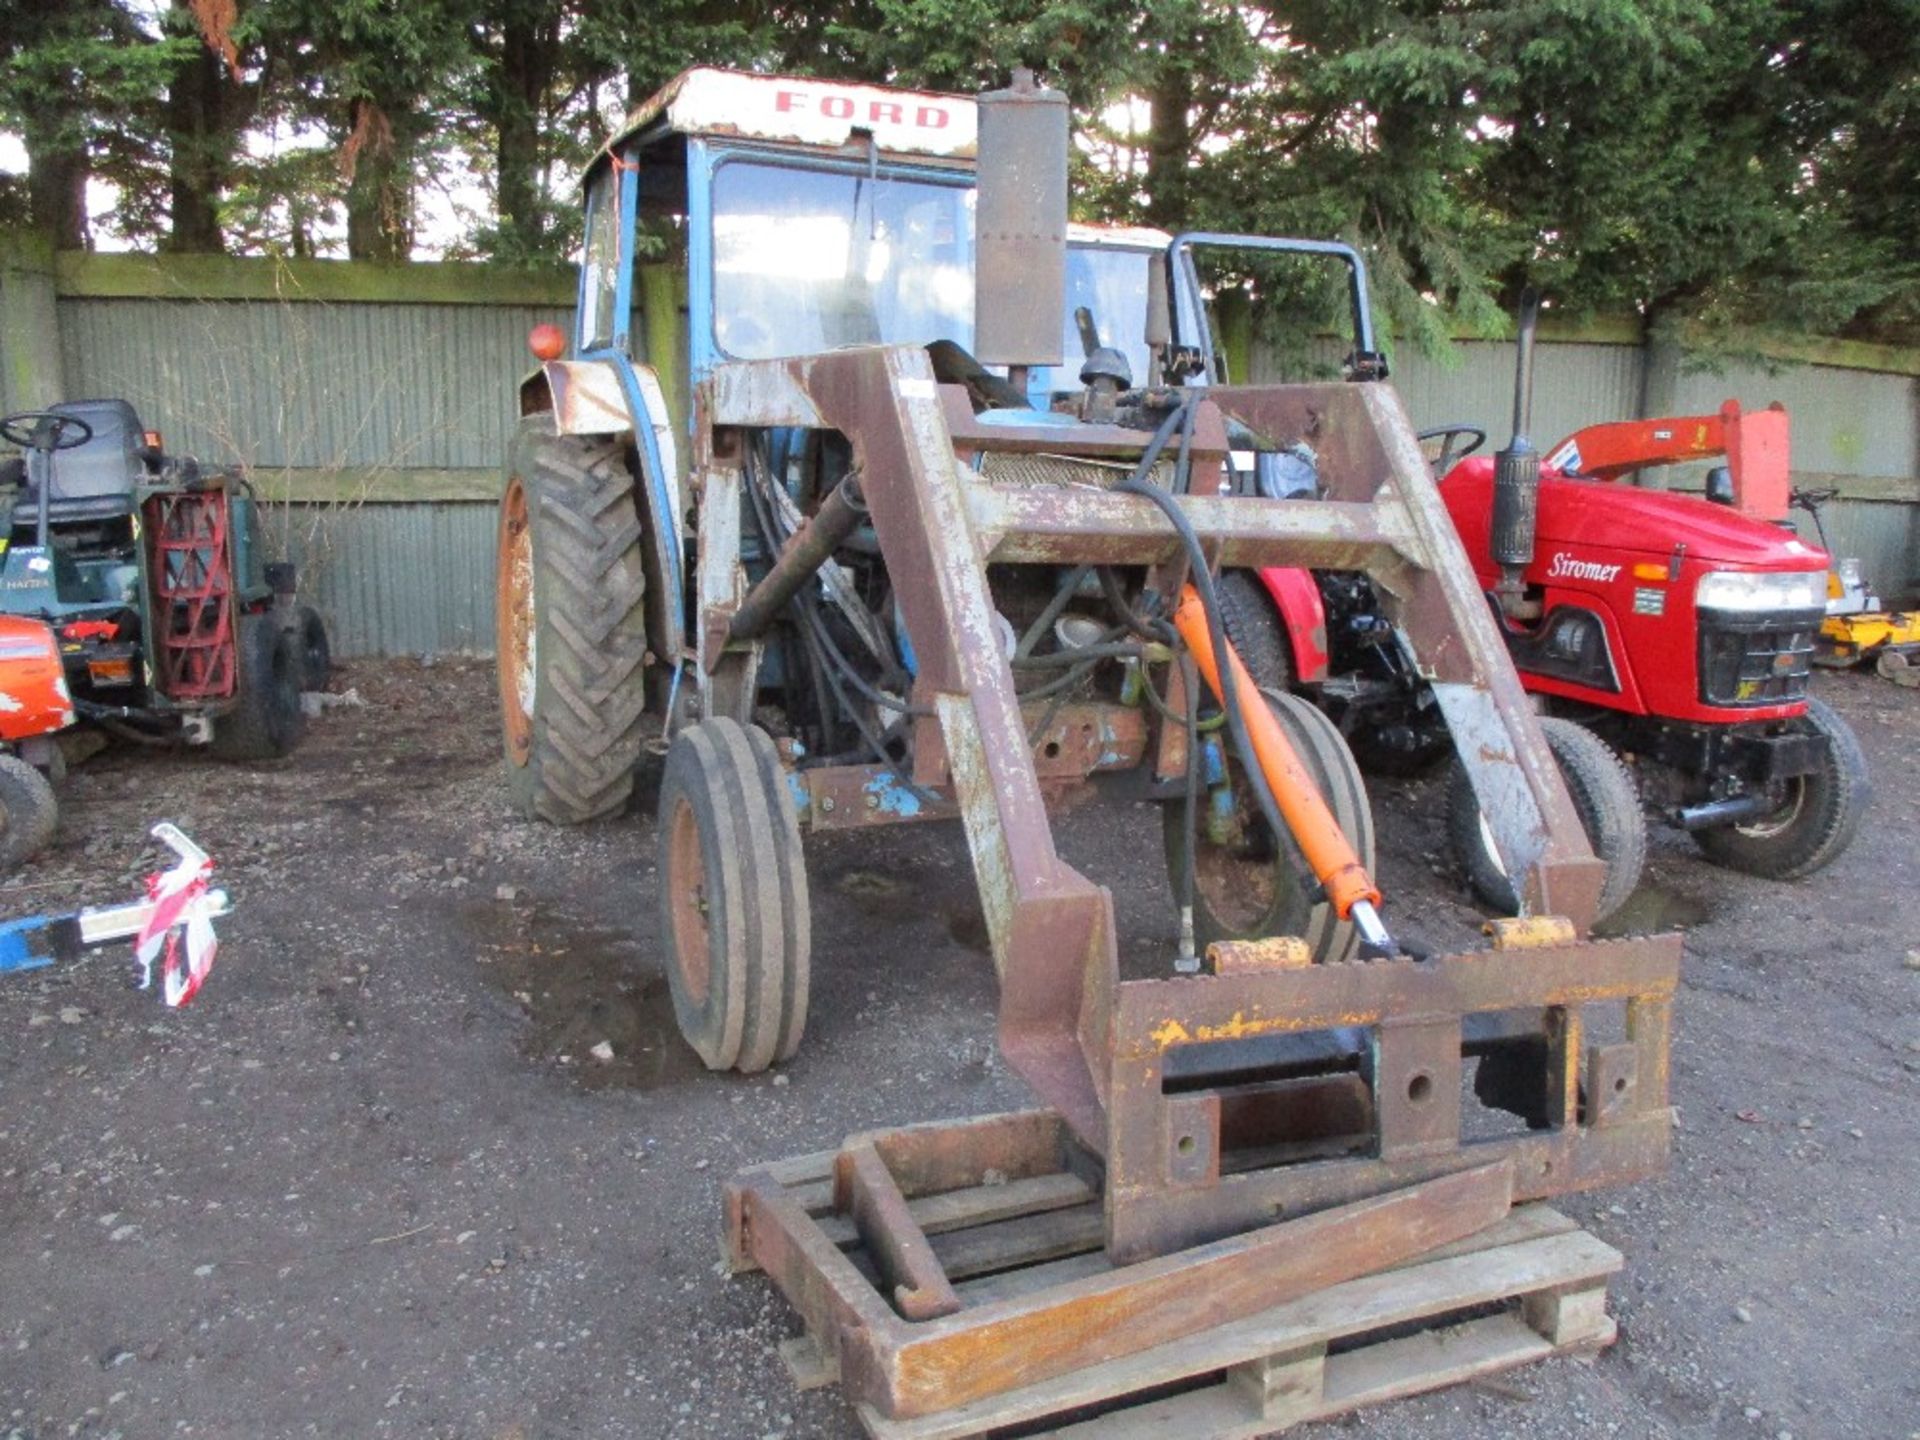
(149, 570)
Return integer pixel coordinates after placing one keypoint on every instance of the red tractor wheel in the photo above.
(1816, 818)
(1605, 798)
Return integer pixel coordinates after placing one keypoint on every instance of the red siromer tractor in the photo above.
(1679, 631)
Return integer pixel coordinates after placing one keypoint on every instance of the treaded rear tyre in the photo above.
(1604, 796)
(1255, 894)
(1817, 819)
(266, 721)
(733, 897)
(29, 813)
(1253, 627)
(571, 626)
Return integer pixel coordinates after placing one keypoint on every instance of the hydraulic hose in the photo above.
(1288, 799)
(1311, 823)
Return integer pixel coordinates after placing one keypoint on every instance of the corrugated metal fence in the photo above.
(308, 385)
(396, 579)
(388, 384)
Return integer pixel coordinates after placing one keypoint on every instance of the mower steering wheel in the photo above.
(27, 428)
(1446, 435)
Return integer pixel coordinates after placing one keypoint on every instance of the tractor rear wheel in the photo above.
(571, 624)
(1604, 796)
(316, 651)
(1250, 890)
(28, 811)
(1817, 816)
(266, 721)
(733, 897)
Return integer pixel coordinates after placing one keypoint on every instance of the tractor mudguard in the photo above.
(1297, 597)
(599, 397)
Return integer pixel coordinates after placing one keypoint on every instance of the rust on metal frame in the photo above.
(1080, 1038)
(1181, 1161)
(1165, 1179)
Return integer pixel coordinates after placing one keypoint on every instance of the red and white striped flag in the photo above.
(181, 904)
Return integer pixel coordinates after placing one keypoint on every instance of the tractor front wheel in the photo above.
(1815, 820)
(1605, 798)
(1248, 887)
(733, 897)
(571, 625)
(265, 721)
(28, 811)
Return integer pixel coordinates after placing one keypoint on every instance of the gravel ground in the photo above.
(374, 1182)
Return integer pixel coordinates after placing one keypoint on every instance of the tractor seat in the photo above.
(94, 481)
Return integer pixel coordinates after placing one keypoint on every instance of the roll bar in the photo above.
(1365, 363)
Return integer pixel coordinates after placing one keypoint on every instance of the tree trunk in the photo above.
(201, 128)
(380, 209)
(524, 73)
(57, 193)
(1170, 147)
(380, 194)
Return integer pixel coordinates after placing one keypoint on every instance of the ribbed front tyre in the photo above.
(733, 897)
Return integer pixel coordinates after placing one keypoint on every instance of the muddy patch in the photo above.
(1652, 909)
(597, 1008)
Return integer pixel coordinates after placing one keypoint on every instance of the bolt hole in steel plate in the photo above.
(687, 889)
(1420, 1088)
(1620, 1085)
(515, 622)
(1184, 1144)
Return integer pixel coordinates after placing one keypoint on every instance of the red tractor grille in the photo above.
(1756, 659)
(192, 575)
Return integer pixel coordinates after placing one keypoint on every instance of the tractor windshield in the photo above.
(807, 260)
(1111, 283)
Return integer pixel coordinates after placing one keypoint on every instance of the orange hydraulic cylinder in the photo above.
(1301, 806)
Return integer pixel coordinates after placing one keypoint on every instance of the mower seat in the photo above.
(94, 481)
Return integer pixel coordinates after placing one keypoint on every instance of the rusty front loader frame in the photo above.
(1184, 1150)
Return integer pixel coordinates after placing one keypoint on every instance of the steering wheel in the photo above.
(27, 428)
(1448, 435)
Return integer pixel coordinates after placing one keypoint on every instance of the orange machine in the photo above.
(34, 704)
(1754, 442)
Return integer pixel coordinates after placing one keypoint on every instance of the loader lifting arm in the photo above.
(1754, 442)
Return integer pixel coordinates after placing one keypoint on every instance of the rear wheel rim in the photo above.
(515, 622)
(1778, 822)
(687, 904)
(1238, 882)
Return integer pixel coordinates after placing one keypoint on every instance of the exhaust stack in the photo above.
(1516, 475)
(1020, 228)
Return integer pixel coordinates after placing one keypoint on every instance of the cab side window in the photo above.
(601, 268)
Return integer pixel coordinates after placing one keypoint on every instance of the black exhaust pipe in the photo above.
(1516, 473)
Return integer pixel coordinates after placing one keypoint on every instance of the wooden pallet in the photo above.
(1535, 1284)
